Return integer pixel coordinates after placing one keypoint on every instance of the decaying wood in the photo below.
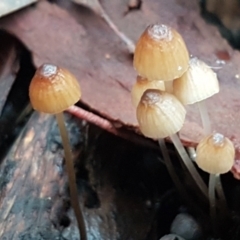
(32, 181)
(119, 190)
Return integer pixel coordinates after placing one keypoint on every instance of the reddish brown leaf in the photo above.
(83, 43)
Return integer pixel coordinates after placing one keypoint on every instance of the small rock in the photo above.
(171, 237)
(186, 226)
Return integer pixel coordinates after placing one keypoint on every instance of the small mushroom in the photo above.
(197, 84)
(53, 90)
(161, 54)
(141, 85)
(215, 155)
(161, 114)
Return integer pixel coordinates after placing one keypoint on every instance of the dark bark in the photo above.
(120, 185)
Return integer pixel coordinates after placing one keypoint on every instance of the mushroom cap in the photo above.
(198, 83)
(160, 54)
(141, 85)
(215, 154)
(160, 114)
(53, 89)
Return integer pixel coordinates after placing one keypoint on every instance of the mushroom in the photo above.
(161, 54)
(161, 114)
(141, 85)
(197, 84)
(215, 155)
(52, 90)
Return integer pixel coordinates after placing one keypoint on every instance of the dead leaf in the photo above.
(81, 42)
(97, 8)
(134, 4)
(92, 4)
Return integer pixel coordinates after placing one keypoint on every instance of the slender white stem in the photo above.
(71, 176)
(212, 199)
(189, 164)
(192, 153)
(219, 189)
(222, 199)
(171, 170)
(205, 117)
(168, 86)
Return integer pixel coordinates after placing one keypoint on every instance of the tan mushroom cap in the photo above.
(141, 85)
(198, 83)
(53, 89)
(160, 114)
(215, 154)
(160, 54)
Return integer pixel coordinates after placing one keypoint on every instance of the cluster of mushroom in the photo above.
(167, 80)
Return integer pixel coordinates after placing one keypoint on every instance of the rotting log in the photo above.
(32, 184)
(120, 185)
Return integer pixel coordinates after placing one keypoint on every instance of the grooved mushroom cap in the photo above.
(215, 154)
(141, 85)
(199, 82)
(160, 114)
(160, 54)
(53, 89)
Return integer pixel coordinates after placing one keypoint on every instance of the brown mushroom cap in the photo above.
(53, 89)
(160, 114)
(198, 83)
(161, 54)
(141, 85)
(215, 154)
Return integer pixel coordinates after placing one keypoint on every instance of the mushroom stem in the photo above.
(212, 199)
(205, 117)
(222, 199)
(168, 86)
(171, 170)
(220, 192)
(192, 153)
(71, 176)
(189, 164)
(215, 185)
